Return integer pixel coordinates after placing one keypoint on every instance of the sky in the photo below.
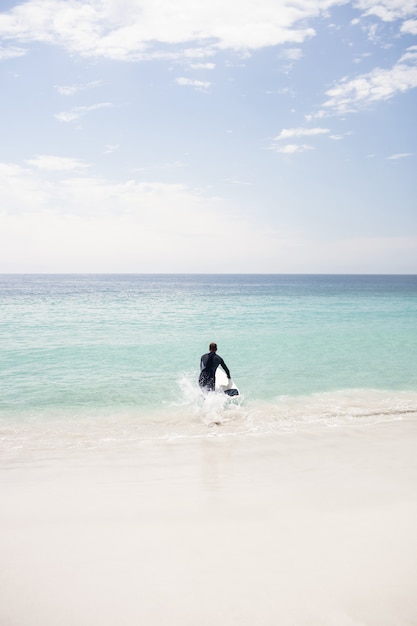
(196, 136)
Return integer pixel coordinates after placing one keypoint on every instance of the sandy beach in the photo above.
(311, 528)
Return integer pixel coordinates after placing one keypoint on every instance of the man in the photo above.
(208, 364)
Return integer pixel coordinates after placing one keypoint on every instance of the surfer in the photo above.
(208, 364)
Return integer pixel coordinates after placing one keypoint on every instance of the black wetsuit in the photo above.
(208, 365)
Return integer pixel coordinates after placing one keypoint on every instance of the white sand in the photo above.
(294, 529)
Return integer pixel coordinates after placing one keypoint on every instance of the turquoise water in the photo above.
(298, 347)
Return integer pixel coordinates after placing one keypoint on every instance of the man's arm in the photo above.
(224, 366)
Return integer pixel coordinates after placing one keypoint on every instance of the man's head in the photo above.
(213, 347)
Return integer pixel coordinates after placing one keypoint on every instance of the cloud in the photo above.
(339, 137)
(88, 224)
(296, 133)
(409, 27)
(360, 57)
(289, 56)
(110, 148)
(293, 54)
(350, 95)
(387, 10)
(199, 85)
(401, 155)
(77, 112)
(69, 90)
(92, 224)
(23, 187)
(11, 52)
(202, 66)
(56, 163)
(293, 148)
(287, 133)
(244, 183)
(143, 29)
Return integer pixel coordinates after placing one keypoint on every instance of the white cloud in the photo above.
(199, 85)
(92, 224)
(110, 148)
(134, 29)
(288, 133)
(282, 92)
(87, 224)
(244, 183)
(361, 57)
(292, 54)
(401, 155)
(388, 10)
(296, 133)
(56, 163)
(351, 95)
(410, 55)
(69, 90)
(23, 187)
(202, 66)
(77, 112)
(11, 52)
(293, 148)
(409, 27)
(20, 189)
(340, 136)
(144, 29)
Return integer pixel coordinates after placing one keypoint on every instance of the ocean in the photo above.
(101, 351)
(129, 497)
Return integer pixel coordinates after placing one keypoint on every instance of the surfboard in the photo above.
(224, 384)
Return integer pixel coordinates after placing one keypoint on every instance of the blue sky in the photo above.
(196, 136)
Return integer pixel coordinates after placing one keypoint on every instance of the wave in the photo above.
(294, 413)
(194, 415)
